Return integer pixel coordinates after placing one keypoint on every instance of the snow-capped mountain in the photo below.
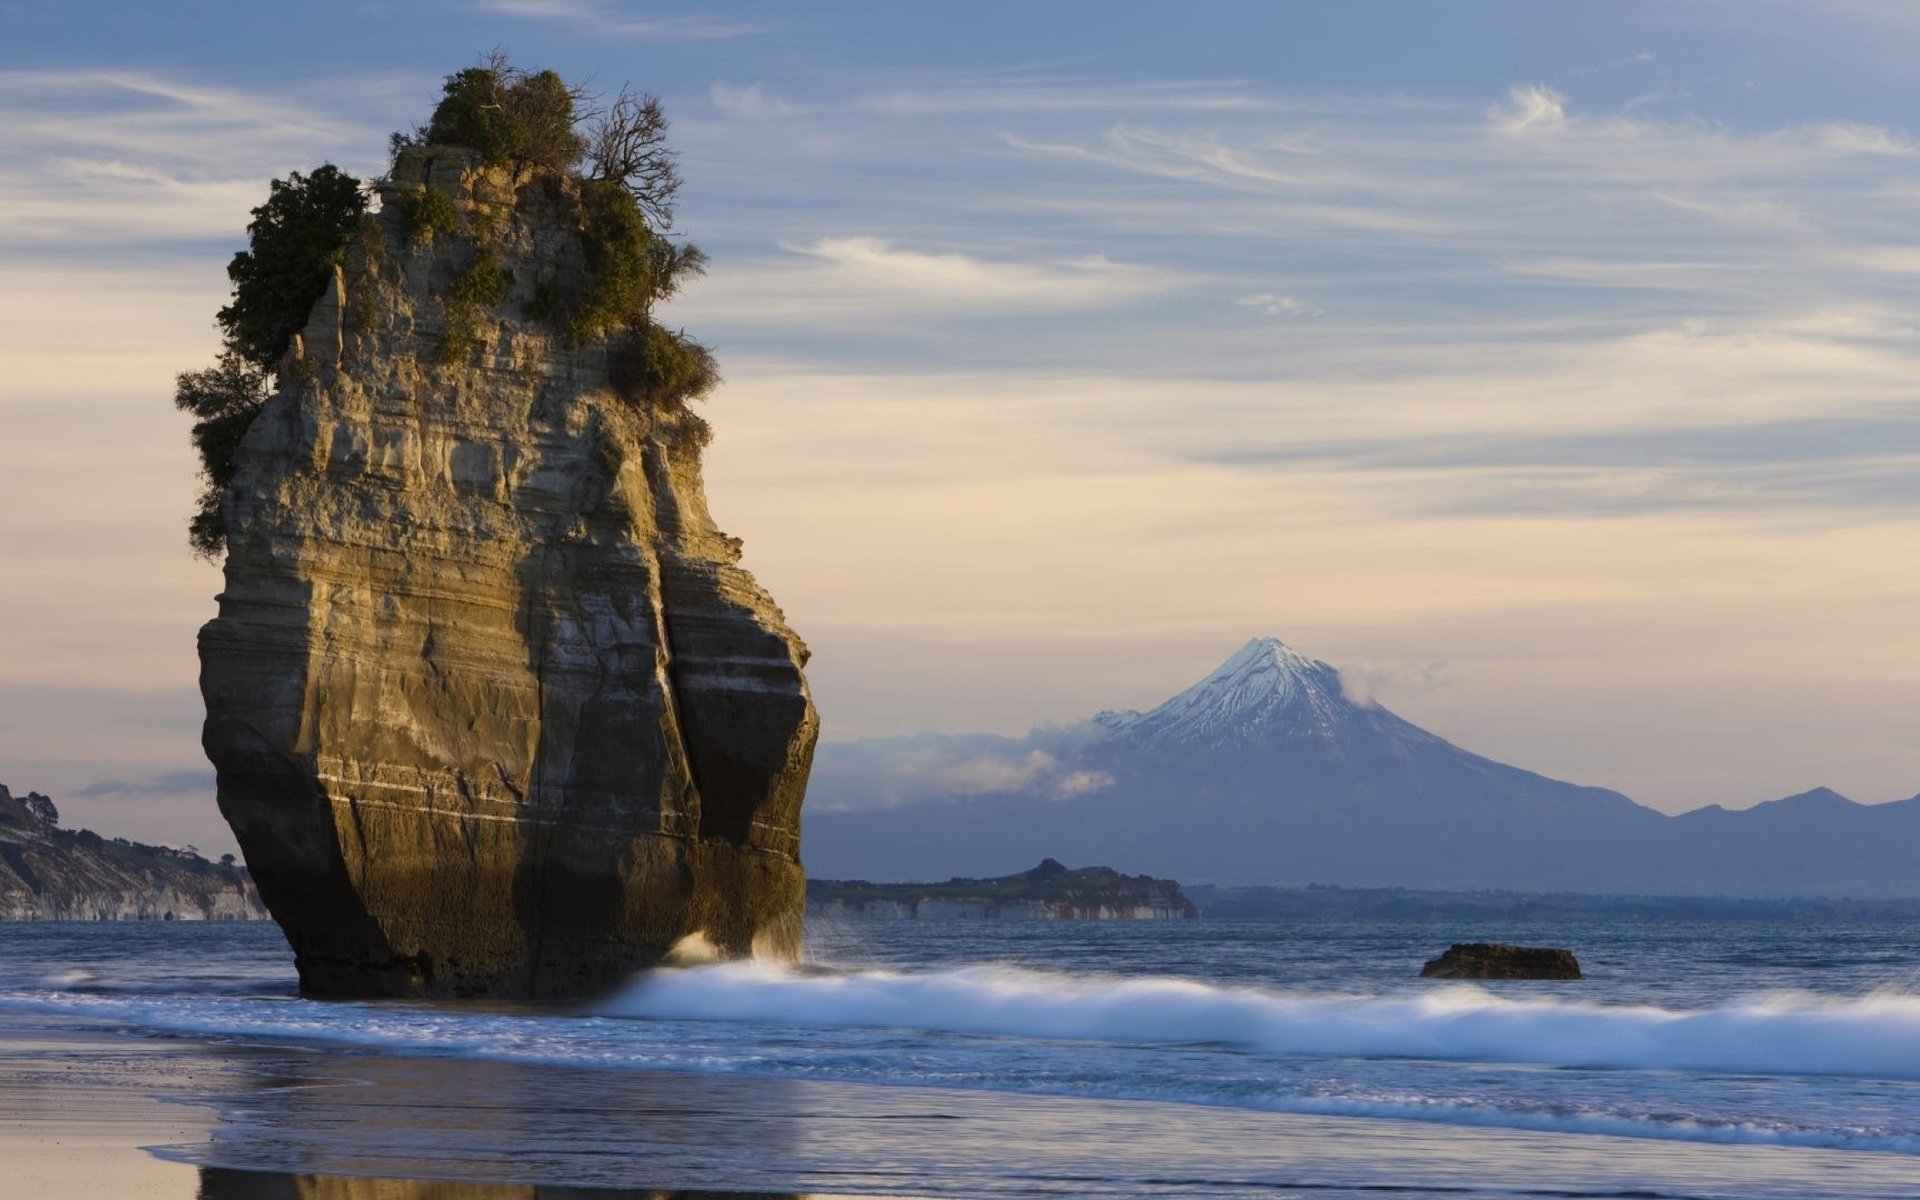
(1266, 690)
(1265, 771)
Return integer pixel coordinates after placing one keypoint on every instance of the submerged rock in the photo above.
(494, 710)
(1493, 960)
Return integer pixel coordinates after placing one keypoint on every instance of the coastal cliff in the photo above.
(494, 709)
(52, 874)
(1049, 892)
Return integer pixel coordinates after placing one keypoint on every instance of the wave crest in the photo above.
(1877, 1035)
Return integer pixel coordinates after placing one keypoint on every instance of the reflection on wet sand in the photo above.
(223, 1183)
(353, 1126)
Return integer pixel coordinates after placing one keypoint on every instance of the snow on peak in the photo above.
(1264, 685)
(1264, 667)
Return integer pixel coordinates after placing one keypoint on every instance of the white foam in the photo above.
(695, 949)
(1668, 1127)
(1871, 1036)
(1877, 1035)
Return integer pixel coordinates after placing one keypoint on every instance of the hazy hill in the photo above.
(1050, 891)
(49, 873)
(1266, 772)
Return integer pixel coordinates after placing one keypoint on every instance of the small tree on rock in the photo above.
(293, 242)
(511, 117)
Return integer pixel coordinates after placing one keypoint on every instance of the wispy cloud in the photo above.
(1901, 259)
(1583, 375)
(751, 103)
(125, 157)
(1848, 137)
(1531, 110)
(1028, 92)
(963, 279)
(1209, 157)
(1432, 175)
(604, 20)
(1275, 305)
(827, 279)
(169, 783)
(1673, 275)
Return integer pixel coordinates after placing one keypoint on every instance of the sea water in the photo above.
(1734, 1033)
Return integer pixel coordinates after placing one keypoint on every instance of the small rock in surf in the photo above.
(1492, 960)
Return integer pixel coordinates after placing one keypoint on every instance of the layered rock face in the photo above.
(493, 708)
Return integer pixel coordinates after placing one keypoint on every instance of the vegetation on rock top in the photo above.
(611, 168)
(292, 244)
(511, 117)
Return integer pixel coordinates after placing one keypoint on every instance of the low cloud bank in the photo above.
(895, 772)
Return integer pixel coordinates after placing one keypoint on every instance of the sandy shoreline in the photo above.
(87, 1110)
(78, 1106)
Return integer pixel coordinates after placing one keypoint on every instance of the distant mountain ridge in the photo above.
(1267, 772)
(1051, 891)
(53, 874)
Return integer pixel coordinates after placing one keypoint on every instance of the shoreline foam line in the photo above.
(1872, 1036)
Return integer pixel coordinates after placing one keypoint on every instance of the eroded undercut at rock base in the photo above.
(495, 711)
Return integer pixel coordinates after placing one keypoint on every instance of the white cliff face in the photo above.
(494, 709)
(53, 874)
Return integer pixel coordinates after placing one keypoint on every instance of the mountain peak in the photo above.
(1266, 667)
(1263, 687)
(1269, 652)
(1810, 801)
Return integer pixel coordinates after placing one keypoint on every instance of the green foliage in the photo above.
(689, 428)
(293, 242)
(511, 117)
(371, 239)
(623, 196)
(544, 304)
(456, 345)
(225, 398)
(481, 287)
(620, 260)
(530, 122)
(427, 213)
(485, 224)
(659, 367)
(629, 266)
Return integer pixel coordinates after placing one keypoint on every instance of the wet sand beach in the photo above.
(88, 1110)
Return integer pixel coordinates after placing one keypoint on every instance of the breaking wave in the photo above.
(1170, 1039)
(1876, 1035)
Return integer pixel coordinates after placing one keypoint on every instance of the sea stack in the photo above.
(494, 709)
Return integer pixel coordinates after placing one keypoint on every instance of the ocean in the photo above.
(1205, 1058)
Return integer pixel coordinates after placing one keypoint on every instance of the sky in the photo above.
(1549, 369)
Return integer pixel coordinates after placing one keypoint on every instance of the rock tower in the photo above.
(494, 710)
